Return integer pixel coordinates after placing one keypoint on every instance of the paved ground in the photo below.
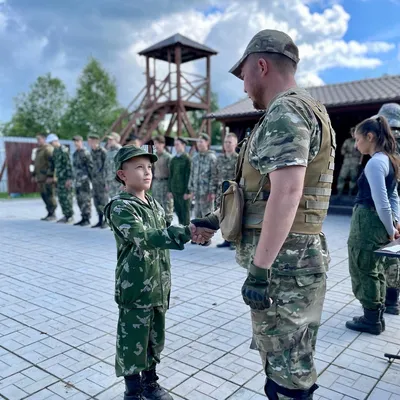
(57, 320)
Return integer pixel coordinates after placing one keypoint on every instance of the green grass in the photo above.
(5, 196)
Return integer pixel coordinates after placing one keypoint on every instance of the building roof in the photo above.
(191, 50)
(367, 91)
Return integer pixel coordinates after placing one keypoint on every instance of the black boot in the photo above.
(100, 223)
(370, 322)
(392, 301)
(133, 387)
(272, 390)
(78, 223)
(225, 243)
(151, 389)
(85, 222)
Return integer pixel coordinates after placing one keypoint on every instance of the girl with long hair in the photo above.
(374, 222)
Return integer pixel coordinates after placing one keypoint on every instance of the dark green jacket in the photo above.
(179, 174)
(143, 272)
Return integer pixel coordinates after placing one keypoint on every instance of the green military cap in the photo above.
(126, 153)
(204, 136)
(183, 140)
(93, 136)
(268, 41)
(391, 111)
(77, 138)
(114, 135)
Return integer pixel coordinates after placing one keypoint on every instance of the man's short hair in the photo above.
(159, 139)
(284, 64)
(232, 135)
(42, 135)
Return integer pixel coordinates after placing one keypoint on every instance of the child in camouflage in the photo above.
(143, 273)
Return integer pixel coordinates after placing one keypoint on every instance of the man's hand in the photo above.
(187, 196)
(169, 195)
(210, 221)
(68, 184)
(210, 197)
(49, 180)
(200, 235)
(255, 288)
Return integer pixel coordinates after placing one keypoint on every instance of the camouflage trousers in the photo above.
(348, 171)
(367, 270)
(83, 193)
(182, 208)
(65, 198)
(47, 193)
(140, 339)
(286, 333)
(114, 187)
(159, 190)
(202, 206)
(100, 196)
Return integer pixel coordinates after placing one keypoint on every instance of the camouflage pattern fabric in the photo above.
(63, 171)
(392, 272)
(140, 339)
(113, 186)
(159, 190)
(83, 169)
(143, 275)
(285, 334)
(202, 182)
(99, 178)
(225, 171)
(366, 268)
(289, 135)
(47, 193)
(350, 166)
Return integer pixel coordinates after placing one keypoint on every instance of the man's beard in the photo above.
(258, 106)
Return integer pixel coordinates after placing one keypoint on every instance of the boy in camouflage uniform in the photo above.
(43, 175)
(83, 167)
(226, 164)
(99, 177)
(113, 187)
(143, 273)
(64, 175)
(159, 188)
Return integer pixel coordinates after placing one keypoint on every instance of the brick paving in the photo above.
(58, 317)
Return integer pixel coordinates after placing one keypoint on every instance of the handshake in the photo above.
(203, 229)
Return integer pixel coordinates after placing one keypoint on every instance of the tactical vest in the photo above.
(314, 202)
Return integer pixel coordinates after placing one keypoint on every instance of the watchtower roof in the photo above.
(190, 49)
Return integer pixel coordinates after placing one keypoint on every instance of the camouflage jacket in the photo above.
(111, 152)
(179, 174)
(161, 167)
(83, 166)
(225, 168)
(289, 135)
(143, 272)
(99, 157)
(62, 163)
(44, 163)
(203, 174)
(349, 151)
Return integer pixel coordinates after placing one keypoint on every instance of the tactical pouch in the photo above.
(231, 211)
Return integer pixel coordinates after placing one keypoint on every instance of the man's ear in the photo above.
(263, 66)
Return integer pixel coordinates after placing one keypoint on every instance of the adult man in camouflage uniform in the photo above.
(159, 188)
(113, 187)
(43, 175)
(99, 177)
(83, 166)
(391, 111)
(226, 164)
(64, 175)
(178, 182)
(287, 173)
(350, 166)
(202, 182)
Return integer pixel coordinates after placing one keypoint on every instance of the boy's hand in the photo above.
(201, 235)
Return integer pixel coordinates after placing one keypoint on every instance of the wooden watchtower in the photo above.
(172, 96)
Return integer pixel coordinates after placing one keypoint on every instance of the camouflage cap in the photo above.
(77, 138)
(93, 136)
(268, 41)
(126, 153)
(182, 140)
(114, 135)
(391, 111)
(204, 136)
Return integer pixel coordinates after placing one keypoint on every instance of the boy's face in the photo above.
(137, 173)
(94, 143)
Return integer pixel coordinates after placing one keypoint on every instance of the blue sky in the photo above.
(339, 40)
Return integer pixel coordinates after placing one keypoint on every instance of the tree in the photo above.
(196, 118)
(94, 107)
(39, 110)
